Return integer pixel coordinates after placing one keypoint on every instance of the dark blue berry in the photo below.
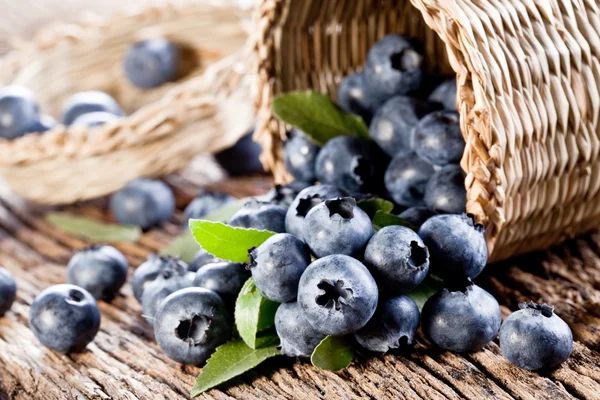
(19, 111)
(203, 204)
(397, 258)
(406, 179)
(461, 320)
(172, 277)
(201, 258)
(355, 96)
(277, 265)
(225, 278)
(445, 94)
(101, 270)
(392, 327)
(535, 338)
(337, 295)
(95, 119)
(144, 203)
(337, 226)
(437, 138)
(456, 245)
(191, 323)
(299, 155)
(243, 158)
(8, 291)
(260, 215)
(151, 63)
(445, 192)
(64, 318)
(298, 338)
(88, 102)
(148, 271)
(417, 215)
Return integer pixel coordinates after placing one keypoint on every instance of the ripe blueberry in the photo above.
(337, 295)
(191, 323)
(172, 277)
(304, 202)
(19, 111)
(201, 258)
(148, 271)
(417, 215)
(355, 96)
(277, 265)
(152, 62)
(143, 202)
(445, 94)
(95, 119)
(64, 318)
(88, 102)
(298, 337)
(535, 338)
(260, 215)
(300, 155)
(397, 258)
(337, 226)
(445, 192)
(8, 291)
(462, 319)
(243, 158)
(393, 123)
(406, 179)
(456, 245)
(394, 66)
(392, 327)
(203, 204)
(437, 138)
(225, 278)
(101, 270)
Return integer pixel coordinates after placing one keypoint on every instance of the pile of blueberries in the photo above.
(147, 64)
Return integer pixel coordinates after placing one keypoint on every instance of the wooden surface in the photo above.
(124, 362)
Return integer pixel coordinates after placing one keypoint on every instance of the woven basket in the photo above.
(528, 94)
(204, 111)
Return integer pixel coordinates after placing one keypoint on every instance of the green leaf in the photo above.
(317, 116)
(225, 212)
(254, 313)
(371, 206)
(227, 242)
(183, 246)
(333, 353)
(424, 291)
(91, 229)
(228, 361)
(381, 220)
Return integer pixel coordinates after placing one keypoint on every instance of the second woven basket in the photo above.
(528, 77)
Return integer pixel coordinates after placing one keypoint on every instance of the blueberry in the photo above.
(260, 215)
(393, 123)
(8, 291)
(348, 163)
(148, 271)
(355, 96)
(95, 119)
(168, 281)
(298, 338)
(300, 154)
(535, 338)
(461, 320)
(456, 245)
(203, 204)
(304, 202)
(88, 102)
(394, 66)
(201, 258)
(337, 226)
(337, 295)
(398, 258)
(42, 124)
(101, 270)
(225, 278)
(284, 195)
(445, 192)
(392, 327)
(277, 265)
(417, 215)
(242, 158)
(191, 323)
(64, 318)
(437, 138)
(19, 111)
(445, 94)
(406, 179)
(151, 63)
(144, 203)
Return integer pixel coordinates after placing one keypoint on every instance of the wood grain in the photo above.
(124, 362)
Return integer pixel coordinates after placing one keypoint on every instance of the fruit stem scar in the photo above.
(334, 294)
(193, 330)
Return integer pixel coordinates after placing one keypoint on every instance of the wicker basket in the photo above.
(206, 110)
(528, 94)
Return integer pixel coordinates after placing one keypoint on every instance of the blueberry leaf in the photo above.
(227, 242)
(228, 361)
(382, 219)
(371, 206)
(254, 313)
(317, 116)
(424, 291)
(91, 229)
(333, 353)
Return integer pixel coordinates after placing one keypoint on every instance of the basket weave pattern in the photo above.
(528, 75)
